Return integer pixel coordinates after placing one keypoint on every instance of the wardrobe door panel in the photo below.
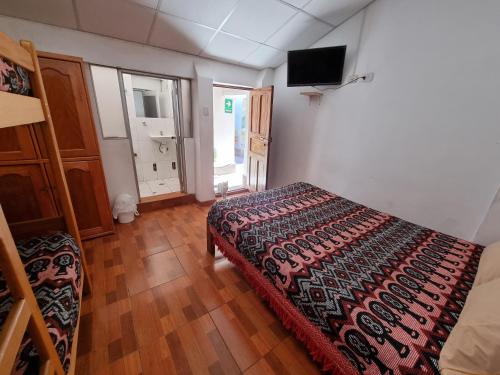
(90, 200)
(16, 144)
(25, 193)
(69, 107)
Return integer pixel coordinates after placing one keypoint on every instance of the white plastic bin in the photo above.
(125, 208)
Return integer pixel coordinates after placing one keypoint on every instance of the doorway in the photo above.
(231, 119)
(152, 109)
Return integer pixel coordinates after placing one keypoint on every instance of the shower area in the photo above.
(152, 109)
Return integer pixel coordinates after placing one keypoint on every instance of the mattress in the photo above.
(52, 264)
(365, 291)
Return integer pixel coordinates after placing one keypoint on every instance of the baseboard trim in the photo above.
(148, 205)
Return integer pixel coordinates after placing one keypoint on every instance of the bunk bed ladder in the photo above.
(25, 313)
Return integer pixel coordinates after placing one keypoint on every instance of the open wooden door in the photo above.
(261, 111)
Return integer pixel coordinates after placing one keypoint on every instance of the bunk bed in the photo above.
(42, 275)
(365, 291)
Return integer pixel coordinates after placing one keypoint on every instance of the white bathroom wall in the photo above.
(422, 140)
(147, 151)
(102, 50)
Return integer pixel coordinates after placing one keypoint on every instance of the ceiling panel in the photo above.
(258, 19)
(297, 3)
(251, 32)
(180, 35)
(300, 32)
(265, 57)
(118, 18)
(206, 12)
(147, 3)
(335, 11)
(53, 12)
(229, 48)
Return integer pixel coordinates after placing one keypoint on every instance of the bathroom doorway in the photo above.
(230, 109)
(153, 117)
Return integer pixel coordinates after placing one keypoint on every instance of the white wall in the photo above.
(114, 52)
(422, 141)
(223, 129)
(107, 93)
(489, 229)
(203, 134)
(266, 78)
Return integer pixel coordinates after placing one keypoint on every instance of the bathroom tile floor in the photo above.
(155, 187)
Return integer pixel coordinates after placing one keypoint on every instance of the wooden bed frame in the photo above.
(25, 314)
(210, 241)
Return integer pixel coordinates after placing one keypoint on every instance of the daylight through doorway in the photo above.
(230, 138)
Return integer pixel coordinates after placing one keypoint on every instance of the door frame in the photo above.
(235, 87)
(229, 86)
(268, 140)
(178, 119)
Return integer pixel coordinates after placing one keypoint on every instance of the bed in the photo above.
(365, 291)
(52, 264)
(41, 278)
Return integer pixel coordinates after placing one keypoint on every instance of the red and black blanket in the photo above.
(365, 291)
(52, 264)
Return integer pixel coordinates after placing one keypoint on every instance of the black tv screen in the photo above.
(316, 66)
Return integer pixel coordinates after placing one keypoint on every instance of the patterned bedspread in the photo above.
(52, 264)
(385, 292)
(14, 78)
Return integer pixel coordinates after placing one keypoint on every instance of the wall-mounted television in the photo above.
(316, 66)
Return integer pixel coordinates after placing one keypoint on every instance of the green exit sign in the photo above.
(228, 105)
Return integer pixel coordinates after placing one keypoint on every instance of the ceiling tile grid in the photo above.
(254, 33)
(180, 35)
(120, 19)
(264, 57)
(257, 20)
(229, 47)
(297, 3)
(38, 11)
(335, 11)
(208, 12)
(300, 32)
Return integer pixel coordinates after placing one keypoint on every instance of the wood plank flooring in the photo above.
(162, 305)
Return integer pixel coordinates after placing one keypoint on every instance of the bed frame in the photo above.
(25, 314)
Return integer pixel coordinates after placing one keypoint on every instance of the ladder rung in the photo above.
(12, 333)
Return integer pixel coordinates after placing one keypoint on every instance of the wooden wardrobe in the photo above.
(27, 190)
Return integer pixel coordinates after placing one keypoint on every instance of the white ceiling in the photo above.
(255, 33)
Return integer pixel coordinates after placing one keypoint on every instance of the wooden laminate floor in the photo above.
(162, 305)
